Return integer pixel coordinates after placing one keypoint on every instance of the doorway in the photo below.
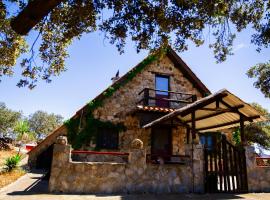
(161, 140)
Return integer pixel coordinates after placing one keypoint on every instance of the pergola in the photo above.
(218, 111)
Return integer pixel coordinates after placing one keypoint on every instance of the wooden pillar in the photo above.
(193, 132)
(242, 130)
(193, 125)
(146, 97)
(188, 135)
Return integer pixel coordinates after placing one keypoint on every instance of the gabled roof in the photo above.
(178, 62)
(210, 118)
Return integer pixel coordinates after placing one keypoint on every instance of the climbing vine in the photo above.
(82, 132)
(78, 136)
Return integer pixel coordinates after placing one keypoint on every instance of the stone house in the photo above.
(145, 132)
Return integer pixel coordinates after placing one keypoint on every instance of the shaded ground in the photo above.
(33, 187)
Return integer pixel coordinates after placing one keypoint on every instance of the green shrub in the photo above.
(12, 162)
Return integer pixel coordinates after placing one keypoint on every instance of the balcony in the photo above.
(165, 99)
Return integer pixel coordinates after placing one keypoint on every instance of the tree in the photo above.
(8, 119)
(43, 123)
(150, 24)
(23, 131)
(261, 72)
(256, 132)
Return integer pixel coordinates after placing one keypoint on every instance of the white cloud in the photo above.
(239, 46)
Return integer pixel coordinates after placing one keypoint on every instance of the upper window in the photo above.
(107, 139)
(162, 83)
(162, 88)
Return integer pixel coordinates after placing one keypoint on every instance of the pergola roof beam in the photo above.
(227, 123)
(200, 104)
(219, 112)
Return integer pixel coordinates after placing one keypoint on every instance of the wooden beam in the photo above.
(229, 106)
(219, 112)
(242, 130)
(203, 104)
(193, 125)
(219, 109)
(227, 123)
(32, 14)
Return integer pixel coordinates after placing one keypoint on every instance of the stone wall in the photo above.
(258, 177)
(136, 176)
(44, 145)
(98, 158)
(119, 108)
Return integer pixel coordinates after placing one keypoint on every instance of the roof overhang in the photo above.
(221, 110)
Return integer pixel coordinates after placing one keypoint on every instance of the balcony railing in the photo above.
(163, 98)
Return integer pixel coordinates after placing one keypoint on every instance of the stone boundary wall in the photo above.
(258, 177)
(133, 177)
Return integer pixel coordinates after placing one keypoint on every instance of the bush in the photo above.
(12, 162)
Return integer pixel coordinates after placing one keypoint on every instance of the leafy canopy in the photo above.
(261, 72)
(43, 123)
(8, 119)
(256, 132)
(149, 23)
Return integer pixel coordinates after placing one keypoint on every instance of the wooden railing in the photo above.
(166, 159)
(262, 162)
(163, 98)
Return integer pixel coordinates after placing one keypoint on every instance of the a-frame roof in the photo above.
(178, 62)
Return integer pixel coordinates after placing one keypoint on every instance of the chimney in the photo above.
(116, 77)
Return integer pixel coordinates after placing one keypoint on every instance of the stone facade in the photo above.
(45, 144)
(136, 176)
(258, 177)
(119, 108)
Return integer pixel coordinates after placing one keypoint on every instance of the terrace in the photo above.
(155, 98)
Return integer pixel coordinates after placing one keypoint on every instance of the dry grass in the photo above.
(4, 155)
(9, 177)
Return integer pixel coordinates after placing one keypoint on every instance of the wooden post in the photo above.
(193, 132)
(242, 130)
(193, 125)
(194, 98)
(146, 97)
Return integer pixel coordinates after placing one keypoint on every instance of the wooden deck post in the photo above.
(146, 97)
(193, 132)
(242, 130)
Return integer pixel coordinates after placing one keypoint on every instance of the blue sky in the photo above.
(93, 61)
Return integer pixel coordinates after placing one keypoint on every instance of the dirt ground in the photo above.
(8, 177)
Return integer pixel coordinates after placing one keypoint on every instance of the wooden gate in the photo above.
(225, 168)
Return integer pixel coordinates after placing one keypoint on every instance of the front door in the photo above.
(161, 143)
